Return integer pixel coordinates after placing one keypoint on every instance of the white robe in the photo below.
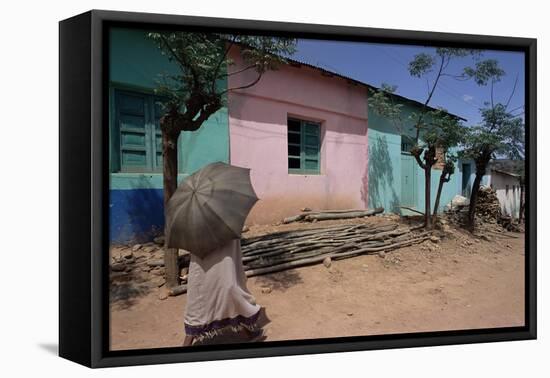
(217, 296)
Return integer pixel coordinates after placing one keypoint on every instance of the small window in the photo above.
(507, 189)
(137, 139)
(304, 146)
(407, 144)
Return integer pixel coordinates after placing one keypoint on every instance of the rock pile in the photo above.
(488, 211)
(141, 264)
(487, 206)
(457, 210)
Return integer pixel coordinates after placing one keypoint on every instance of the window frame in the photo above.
(151, 132)
(406, 140)
(303, 145)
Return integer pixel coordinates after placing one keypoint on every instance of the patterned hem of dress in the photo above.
(215, 327)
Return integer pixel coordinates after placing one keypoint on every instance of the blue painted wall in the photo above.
(136, 199)
(385, 166)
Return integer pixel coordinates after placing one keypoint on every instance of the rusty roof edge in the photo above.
(362, 83)
(505, 172)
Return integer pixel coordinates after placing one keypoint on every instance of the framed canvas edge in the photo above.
(100, 357)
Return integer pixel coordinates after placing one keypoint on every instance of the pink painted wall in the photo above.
(258, 139)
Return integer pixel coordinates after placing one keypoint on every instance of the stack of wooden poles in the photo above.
(286, 250)
(291, 249)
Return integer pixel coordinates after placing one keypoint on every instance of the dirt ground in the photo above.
(462, 282)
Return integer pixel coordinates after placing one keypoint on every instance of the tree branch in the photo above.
(512, 94)
(218, 66)
(184, 64)
(244, 86)
(418, 160)
(440, 71)
(242, 70)
(492, 93)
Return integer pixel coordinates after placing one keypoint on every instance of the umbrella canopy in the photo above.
(209, 208)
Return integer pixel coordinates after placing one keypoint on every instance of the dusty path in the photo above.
(460, 283)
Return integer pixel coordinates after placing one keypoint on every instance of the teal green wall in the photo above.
(136, 199)
(137, 64)
(384, 182)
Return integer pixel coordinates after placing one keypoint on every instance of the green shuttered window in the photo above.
(304, 146)
(137, 139)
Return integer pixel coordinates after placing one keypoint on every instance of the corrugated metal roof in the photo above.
(326, 72)
(294, 61)
(505, 173)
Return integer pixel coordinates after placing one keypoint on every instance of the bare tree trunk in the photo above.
(481, 168)
(445, 177)
(522, 203)
(427, 196)
(426, 165)
(170, 182)
(473, 201)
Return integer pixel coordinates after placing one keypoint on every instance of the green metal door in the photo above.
(408, 181)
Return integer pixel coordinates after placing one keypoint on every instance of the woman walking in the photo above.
(217, 297)
(205, 216)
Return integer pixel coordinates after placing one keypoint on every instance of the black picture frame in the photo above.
(83, 196)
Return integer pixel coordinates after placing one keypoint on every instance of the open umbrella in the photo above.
(209, 208)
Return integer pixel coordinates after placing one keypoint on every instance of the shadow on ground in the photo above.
(126, 289)
(280, 281)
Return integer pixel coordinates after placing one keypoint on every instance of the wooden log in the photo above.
(288, 265)
(177, 290)
(291, 257)
(260, 246)
(411, 209)
(333, 255)
(334, 216)
(278, 244)
(299, 217)
(298, 233)
(391, 246)
(288, 250)
(335, 211)
(294, 233)
(294, 218)
(283, 245)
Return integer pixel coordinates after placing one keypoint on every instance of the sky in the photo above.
(387, 63)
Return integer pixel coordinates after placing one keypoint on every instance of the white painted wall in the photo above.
(508, 192)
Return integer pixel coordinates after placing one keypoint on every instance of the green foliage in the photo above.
(425, 63)
(450, 52)
(443, 131)
(436, 127)
(500, 133)
(421, 64)
(204, 63)
(485, 71)
(382, 103)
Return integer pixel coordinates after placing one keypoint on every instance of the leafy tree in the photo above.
(449, 134)
(429, 127)
(196, 91)
(440, 133)
(500, 133)
(427, 136)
